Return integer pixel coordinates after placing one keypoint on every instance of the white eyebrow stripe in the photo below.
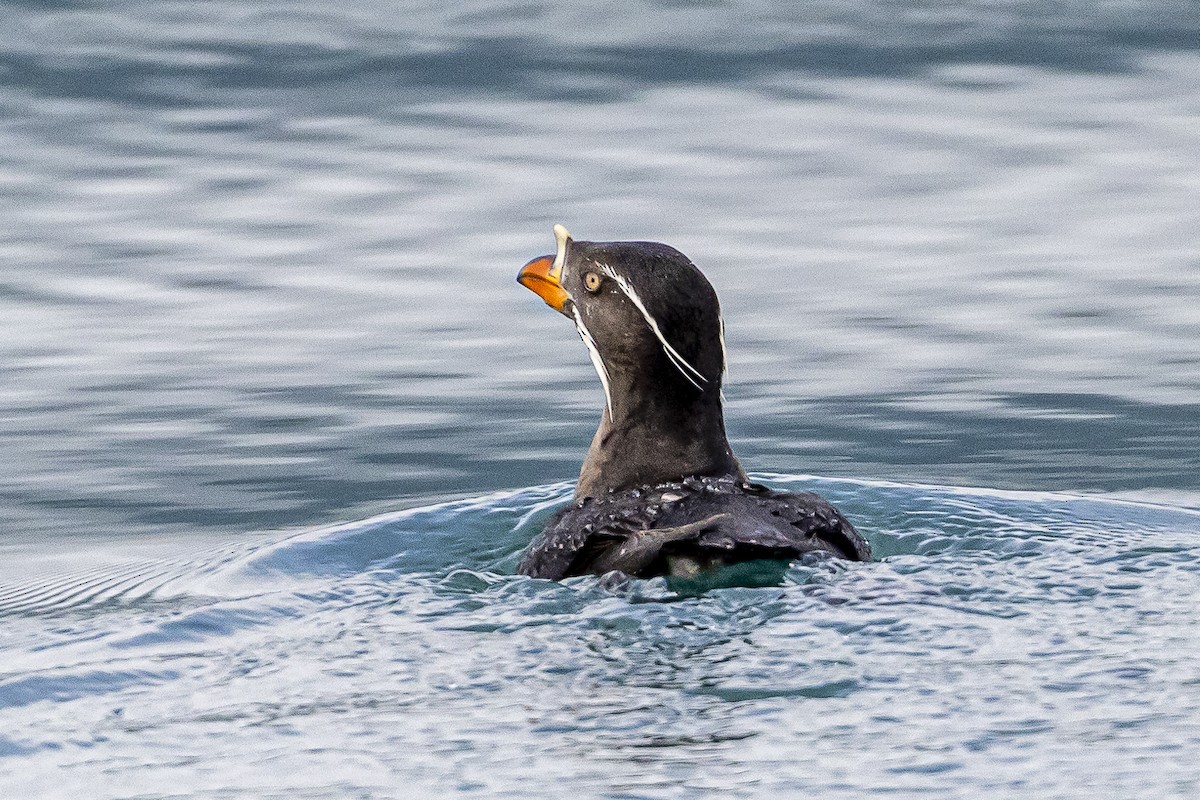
(597, 361)
(672, 354)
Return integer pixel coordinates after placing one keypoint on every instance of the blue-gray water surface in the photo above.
(276, 419)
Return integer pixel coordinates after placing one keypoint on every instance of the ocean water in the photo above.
(276, 419)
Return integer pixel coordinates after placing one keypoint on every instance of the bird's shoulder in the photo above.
(802, 521)
(579, 530)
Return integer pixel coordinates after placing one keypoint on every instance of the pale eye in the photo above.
(591, 282)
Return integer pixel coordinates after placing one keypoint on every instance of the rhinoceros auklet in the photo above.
(660, 492)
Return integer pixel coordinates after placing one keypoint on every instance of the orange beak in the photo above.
(540, 277)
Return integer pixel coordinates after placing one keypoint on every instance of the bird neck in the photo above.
(657, 437)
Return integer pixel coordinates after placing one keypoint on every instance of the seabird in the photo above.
(660, 491)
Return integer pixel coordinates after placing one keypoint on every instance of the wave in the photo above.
(483, 536)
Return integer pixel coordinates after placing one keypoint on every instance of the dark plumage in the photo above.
(660, 492)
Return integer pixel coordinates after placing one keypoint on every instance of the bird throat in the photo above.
(656, 440)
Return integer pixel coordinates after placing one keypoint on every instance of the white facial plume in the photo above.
(687, 370)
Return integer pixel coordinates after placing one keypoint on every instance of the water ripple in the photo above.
(413, 619)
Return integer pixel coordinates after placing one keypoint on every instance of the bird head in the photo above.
(649, 318)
